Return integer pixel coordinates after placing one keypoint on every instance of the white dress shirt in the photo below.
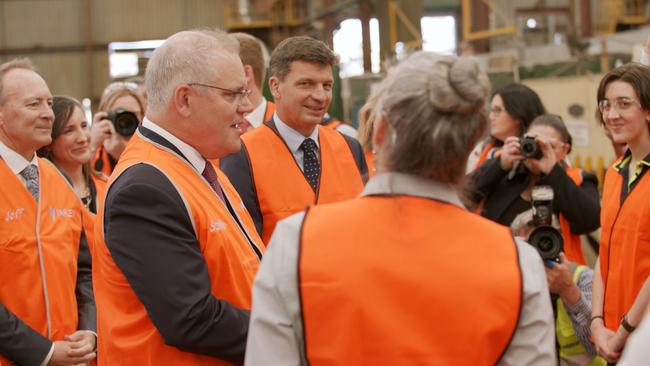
(256, 117)
(195, 158)
(16, 162)
(294, 139)
(275, 335)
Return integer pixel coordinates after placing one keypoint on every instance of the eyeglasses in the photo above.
(621, 104)
(240, 94)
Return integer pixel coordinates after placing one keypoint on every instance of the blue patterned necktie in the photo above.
(211, 176)
(311, 164)
(30, 174)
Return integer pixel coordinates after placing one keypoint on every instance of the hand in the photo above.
(100, 130)
(601, 337)
(548, 160)
(67, 353)
(617, 342)
(560, 281)
(510, 153)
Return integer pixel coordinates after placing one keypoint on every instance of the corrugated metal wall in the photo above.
(52, 33)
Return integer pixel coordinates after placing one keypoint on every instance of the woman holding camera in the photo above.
(505, 183)
(624, 261)
(407, 268)
(70, 152)
(512, 108)
(106, 140)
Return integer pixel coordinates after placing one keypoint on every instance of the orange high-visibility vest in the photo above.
(370, 161)
(270, 109)
(102, 156)
(126, 334)
(572, 242)
(89, 217)
(624, 245)
(39, 246)
(413, 281)
(281, 187)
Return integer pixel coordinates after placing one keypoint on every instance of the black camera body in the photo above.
(545, 238)
(125, 122)
(529, 148)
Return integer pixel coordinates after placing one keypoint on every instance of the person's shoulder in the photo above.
(141, 179)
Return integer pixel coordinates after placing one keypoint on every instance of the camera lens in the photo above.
(125, 122)
(548, 242)
(529, 148)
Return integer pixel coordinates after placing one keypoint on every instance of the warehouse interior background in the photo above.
(560, 48)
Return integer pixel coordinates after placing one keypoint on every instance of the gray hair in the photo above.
(19, 63)
(185, 57)
(435, 107)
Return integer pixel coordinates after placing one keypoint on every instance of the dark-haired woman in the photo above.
(512, 108)
(624, 260)
(70, 153)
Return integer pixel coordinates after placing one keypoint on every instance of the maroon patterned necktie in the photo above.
(211, 176)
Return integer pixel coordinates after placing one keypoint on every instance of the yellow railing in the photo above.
(599, 168)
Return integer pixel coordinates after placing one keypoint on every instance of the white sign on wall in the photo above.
(579, 130)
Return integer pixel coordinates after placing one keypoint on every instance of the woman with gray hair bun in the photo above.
(407, 275)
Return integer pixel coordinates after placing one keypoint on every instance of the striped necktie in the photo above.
(30, 174)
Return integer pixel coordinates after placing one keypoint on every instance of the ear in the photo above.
(250, 76)
(380, 131)
(274, 86)
(182, 99)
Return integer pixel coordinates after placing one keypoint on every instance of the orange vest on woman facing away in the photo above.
(126, 334)
(624, 244)
(281, 187)
(572, 242)
(39, 246)
(411, 281)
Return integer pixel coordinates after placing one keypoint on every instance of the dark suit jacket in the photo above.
(237, 167)
(151, 239)
(580, 205)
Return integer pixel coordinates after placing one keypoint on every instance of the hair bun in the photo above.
(459, 86)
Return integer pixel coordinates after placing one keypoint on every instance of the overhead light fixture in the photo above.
(531, 23)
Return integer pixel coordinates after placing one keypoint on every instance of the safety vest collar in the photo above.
(406, 184)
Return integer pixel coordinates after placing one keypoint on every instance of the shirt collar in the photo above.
(256, 117)
(406, 184)
(16, 162)
(192, 155)
(291, 137)
(627, 157)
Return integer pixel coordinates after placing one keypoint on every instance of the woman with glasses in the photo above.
(107, 142)
(512, 108)
(624, 261)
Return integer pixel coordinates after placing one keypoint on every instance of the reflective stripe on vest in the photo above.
(126, 333)
(624, 245)
(572, 242)
(38, 253)
(281, 187)
(389, 266)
